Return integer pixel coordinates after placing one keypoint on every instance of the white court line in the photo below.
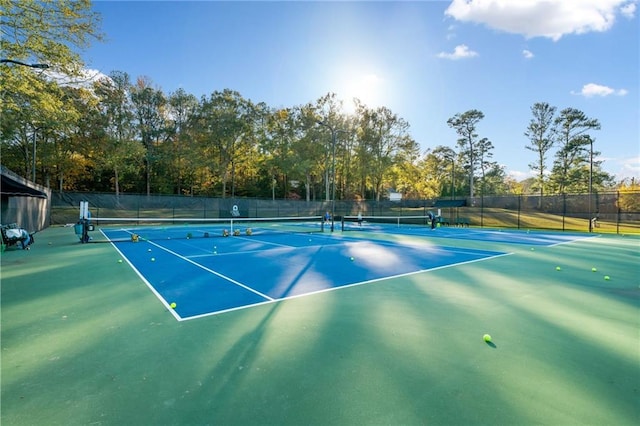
(231, 280)
(326, 290)
(573, 241)
(144, 280)
(349, 240)
(228, 253)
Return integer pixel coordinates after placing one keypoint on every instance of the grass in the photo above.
(510, 219)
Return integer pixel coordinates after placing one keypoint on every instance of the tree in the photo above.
(48, 32)
(307, 152)
(570, 129)
(328, 109)
(541, 139)
(383, 142)
(60, 154)
(53, 33)
(179, 154)
(465, 126)
(149, 106)
(119, 151)
(224, 126)
(436, 176)
(485, 152)
(629, 196)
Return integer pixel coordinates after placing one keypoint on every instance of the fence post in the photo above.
(519, 204)
(619, 213)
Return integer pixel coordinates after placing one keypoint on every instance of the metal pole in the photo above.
(453, 168)
(33, 168)
(590, 181)
(333, 177)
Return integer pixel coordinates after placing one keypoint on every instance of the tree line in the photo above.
(119, 135)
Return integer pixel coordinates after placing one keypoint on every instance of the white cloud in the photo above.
(527, 54)
(519, 175)
(628, 10)
(86, 78)
(537, 18)
(460, 52)
(630, 168)
(591, 89)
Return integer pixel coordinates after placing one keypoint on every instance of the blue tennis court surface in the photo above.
(534, 238)
(205, 276)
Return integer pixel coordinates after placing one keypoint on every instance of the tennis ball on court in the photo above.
(351, 259)
(532, 249)
(153, 259)
(558, 268)
(173, 305)
(119, 260)
(486, 338)
(606, 277)
(594, 270)
(148, 249)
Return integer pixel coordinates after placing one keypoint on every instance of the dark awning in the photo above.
(450, 203)
(14, 188)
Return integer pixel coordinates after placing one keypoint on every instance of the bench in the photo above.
(12, 234)
(462, 221)
(444, 221)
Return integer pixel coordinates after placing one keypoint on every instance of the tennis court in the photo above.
(204, 275)
(284, 328)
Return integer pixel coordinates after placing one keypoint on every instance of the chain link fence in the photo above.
(610, 212)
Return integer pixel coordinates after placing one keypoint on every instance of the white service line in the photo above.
(144, 280)
(326, 290)
(231, 280)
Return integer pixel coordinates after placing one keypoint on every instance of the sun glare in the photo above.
(367, 87)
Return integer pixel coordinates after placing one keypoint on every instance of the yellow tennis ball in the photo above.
(606, 277)
(119, 260)
(594, 270)
(558, 268)
(153, 259)
(173, 305)
(352, 259)
(486, 338)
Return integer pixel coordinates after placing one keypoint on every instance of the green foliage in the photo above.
(123, 135)
(465, 126)
(629, 199)
(541, 138)
(44, 115)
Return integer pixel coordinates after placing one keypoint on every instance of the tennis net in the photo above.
(136, 229)
(383, 223)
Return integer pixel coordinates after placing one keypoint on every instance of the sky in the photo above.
(424, 60)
